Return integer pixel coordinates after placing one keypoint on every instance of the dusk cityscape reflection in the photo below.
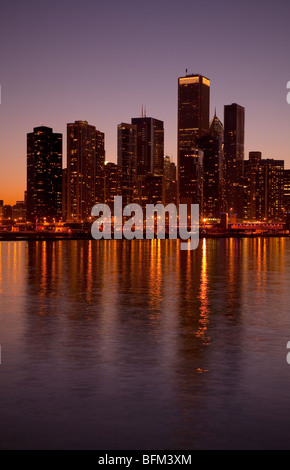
(149, 346)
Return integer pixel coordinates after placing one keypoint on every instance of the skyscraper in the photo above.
(270, 190)
(251, 170)
(112, 183)
(191, 178)
(150, 146)
(212, 146)
(234, 137)
(127, 160)
(265, 189)
(100, 165)
(193, 123)
(44, 174)
(85, 159)
(286, 191)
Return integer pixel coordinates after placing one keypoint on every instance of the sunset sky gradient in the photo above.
(99, 61)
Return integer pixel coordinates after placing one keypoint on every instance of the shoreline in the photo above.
(33, 236)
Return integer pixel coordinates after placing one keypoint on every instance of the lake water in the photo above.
(139, 345)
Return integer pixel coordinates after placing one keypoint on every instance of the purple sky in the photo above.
(62, 61)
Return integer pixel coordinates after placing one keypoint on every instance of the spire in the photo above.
(216, 127)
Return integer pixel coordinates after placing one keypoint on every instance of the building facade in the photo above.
(212, 146)
(234, 142)
(127, 160)
(44, 175)
(150, 146)
(85, 165)
(193, 123)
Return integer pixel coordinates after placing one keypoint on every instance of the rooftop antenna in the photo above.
(145, 113)
(142, 112)
(186, 72)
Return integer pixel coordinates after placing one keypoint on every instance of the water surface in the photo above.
(139, 345)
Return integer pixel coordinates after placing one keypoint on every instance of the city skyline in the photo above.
(46, 81)
(65, 140)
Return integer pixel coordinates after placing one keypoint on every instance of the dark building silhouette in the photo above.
(234, 137)
(44, 174)
(169, 182)
(112, 183)
(191, 178)
(151, 190)
(193, 123)
(212, 146)
(251, 170)
(64, 193)
(127, 160)
(150, 145)
(85, 163)
(19, 211)
(7, 212)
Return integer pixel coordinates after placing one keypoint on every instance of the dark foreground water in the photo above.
(138, 345)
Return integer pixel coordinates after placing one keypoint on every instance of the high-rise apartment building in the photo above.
(44, 174)
(264, 189)
(85, 163)
(150, 146)
(234, 140)
(270, 190)
(193, 123)
(287, 191)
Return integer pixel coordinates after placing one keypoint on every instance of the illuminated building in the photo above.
(85, 162)
(44, 174)
(100, 164)
(234, 137)
(287, 191)
(127, 160)
(264, 189)
(193, 123)
(150, 145)
(270, 190)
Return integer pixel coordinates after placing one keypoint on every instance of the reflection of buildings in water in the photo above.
(204, 298)
(12, 262)
(263, 261)
(155, 280)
